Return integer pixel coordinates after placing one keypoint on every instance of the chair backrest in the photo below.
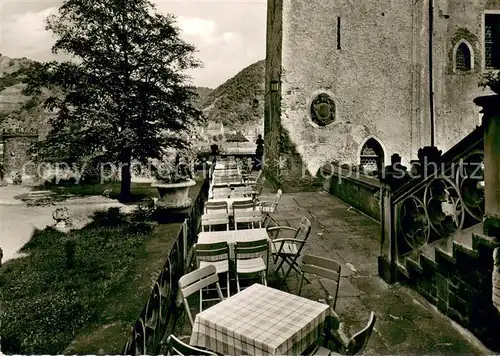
(219, 185)
(221, 193)
(358, 341)
(304, 229)
(259, 175)
(325, 268)
(213, 219)
(252, 217)
(195, 281)
(240, 191)
(279, 193)
(260, 186)
(251, 249)
(276, 201)
(212, 252)
(243, 205)
(228, 172)
(177, 347)
(216, 207)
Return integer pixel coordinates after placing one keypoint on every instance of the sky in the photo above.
(229, 35)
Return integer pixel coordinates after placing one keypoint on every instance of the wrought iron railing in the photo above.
(438, 196)
(160, 312)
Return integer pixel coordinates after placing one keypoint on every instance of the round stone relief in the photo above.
(323, 110)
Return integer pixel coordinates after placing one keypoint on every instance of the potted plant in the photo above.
(173, 181)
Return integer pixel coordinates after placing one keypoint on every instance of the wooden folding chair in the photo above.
(354, 345)
(252, 218)
(241, 191)
(243, 205)
(249, 259)
(216, 254)
(216, 207)
(196, 281)
(209, 220)
(269, 207)
(178, 347)
(325, 268)
(289, 249)
(221, 193)
(254, 179)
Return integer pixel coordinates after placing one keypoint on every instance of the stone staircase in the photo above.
(467, 241)
(43, 197)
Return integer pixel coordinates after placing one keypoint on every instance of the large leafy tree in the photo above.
(124, 95)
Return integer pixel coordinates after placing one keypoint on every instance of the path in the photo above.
(406, 323)
(18, 221)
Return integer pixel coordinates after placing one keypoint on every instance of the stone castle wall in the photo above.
(16, 158)
(375, 68)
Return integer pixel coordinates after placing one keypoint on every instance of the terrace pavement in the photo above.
(406, 323)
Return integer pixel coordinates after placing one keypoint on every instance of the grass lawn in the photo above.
(45, 302)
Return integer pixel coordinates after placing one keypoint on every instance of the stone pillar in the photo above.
(491, 126)
(391, 178)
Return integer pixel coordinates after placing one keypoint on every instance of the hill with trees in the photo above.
(239, 101)
(17, 110)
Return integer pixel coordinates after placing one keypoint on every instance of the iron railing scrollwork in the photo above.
(415, 226)
(450, 199)
(156, 317)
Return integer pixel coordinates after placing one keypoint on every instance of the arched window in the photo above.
(463, 57)
(372, 156)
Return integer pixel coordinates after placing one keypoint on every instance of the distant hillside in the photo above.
(203, 92)
(239, 102)
(17, 110)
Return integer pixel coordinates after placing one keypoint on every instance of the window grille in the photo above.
(371, 159)
(463, 58)
(492, 41)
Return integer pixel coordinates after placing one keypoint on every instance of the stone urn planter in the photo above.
(174, 195)
(61, 216)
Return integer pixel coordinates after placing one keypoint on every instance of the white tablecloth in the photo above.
(260, 321)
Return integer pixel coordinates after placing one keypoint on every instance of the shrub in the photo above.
(109, 218)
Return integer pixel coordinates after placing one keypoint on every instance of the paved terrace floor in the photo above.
(406, 323)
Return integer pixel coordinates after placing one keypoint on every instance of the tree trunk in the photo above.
(126, 182)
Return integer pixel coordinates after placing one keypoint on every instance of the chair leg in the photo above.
(264, 279)
(201, 300)
(294, 267)
(301, 282)
(283, 260)
(237, 282)
(292, 262)
(228, 280)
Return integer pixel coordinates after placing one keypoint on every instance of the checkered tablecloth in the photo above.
(260, 321)
(231, 237)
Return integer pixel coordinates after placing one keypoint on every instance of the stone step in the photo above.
(41, 192)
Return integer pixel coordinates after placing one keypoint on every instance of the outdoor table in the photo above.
(230, 200)
(231, 237)
(260, 321)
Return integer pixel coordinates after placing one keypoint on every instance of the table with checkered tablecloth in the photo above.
(260, 321)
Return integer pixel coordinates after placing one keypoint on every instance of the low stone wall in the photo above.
(357, 190)
(460, 286)
(154, 302)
